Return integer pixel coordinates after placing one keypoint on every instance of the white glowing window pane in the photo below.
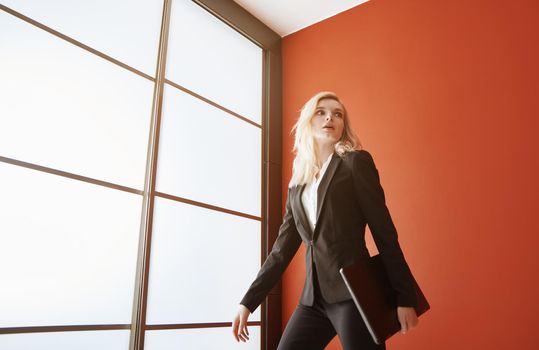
(125, 30)
(68, 250)
(208, 155)
(210, 58)
(88, 340)
(202, 263)
(67, 109)
(200, 339)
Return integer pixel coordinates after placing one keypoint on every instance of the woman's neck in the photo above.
(324, 151)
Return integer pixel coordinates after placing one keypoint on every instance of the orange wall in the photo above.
(444, 94)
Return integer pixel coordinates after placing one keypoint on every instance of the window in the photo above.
(133, 174)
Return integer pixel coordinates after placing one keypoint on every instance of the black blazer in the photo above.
(349, 197)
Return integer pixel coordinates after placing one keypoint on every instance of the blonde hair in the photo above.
(305, 165)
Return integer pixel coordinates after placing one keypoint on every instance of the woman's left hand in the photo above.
(407, 318)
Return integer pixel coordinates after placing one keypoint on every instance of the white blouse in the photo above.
(309, 197)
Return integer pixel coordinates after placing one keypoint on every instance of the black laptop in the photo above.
(373, 295)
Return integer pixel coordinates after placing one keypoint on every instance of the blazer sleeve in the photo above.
(372, 201)
(284, 249)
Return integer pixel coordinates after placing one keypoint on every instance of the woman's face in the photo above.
(328, 121)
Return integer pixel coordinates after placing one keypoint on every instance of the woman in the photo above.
(334, 192)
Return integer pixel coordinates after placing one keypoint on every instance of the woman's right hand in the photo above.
(239, 326)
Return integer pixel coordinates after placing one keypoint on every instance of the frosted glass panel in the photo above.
(88, 340)
(202, 262)
(210, 58)
(68, 250)
(200, 339)
(67, 109)
(208, 155)
(127, 30)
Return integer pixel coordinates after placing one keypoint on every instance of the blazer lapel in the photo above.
(301, 210)
(324, 183)
(321, 195)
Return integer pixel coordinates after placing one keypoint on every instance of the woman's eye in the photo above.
(339, 115)
(320, 112)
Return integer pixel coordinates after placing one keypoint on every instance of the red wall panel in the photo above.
(444, 94)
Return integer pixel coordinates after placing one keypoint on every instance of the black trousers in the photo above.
(313, 327)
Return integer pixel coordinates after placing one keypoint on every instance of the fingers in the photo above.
(404, 327)
(411, 320)
(408, 319)
(239, 329)
(244, 333)
(235, 328)
(402, 320)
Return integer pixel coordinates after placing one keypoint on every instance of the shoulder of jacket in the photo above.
(361, 154)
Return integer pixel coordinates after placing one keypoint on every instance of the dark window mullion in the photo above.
(143, 263)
